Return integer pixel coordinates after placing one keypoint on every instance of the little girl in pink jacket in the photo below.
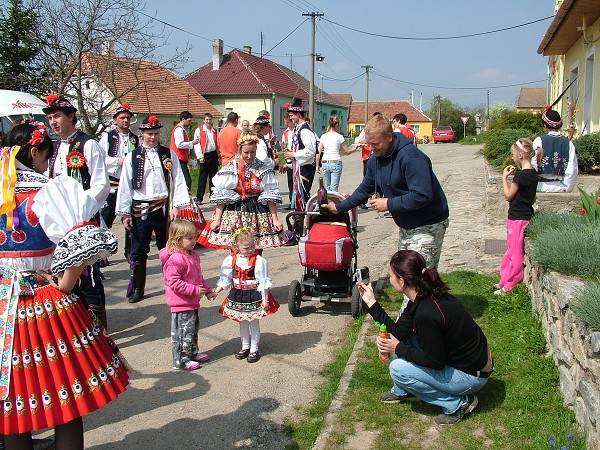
(184, 287)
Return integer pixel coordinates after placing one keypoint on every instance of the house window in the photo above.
(358, 129)
(87, 84)
(282, 115)
(416, 127)
(588, 94)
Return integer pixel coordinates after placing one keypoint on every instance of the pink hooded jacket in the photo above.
(183, 278)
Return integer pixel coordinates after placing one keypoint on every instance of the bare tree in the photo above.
(89, 45)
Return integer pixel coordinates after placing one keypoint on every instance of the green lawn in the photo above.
(519, 408)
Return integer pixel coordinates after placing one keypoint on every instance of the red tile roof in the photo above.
(344, 99)
(388, 109)
(148, 87)
(532, 98)
(243, 73)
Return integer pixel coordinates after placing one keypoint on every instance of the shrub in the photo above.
(473, 139)
(588, 153)
(498, 143)
(571, 251)
(587, 305)
(543, 221)
(519, 121)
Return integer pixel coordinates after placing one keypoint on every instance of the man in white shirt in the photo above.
(287, 142)
(207, 151)
(150, 174)
(264, 151)
(303, 155)
(77, 155)
(181, 145)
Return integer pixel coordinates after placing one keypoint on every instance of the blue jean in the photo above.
(445, 388)
(332, 172)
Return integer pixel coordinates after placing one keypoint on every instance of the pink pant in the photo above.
(511, 270)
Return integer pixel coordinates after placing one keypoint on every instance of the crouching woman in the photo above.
(441, 356)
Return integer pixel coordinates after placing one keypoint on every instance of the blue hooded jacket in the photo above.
(405, 177)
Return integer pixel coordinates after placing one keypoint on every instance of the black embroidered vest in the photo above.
(77, 143)
(113, 142)
(139, 160)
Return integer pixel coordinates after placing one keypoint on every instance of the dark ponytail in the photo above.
(411, 266)
(21, 135)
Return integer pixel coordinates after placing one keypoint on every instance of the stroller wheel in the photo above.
(356, 303)
(294, 298)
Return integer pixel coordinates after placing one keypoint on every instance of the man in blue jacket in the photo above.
(402, 176)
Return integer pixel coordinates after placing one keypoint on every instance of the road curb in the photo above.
(340, 394)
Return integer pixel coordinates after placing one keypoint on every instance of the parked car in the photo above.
(443, 134)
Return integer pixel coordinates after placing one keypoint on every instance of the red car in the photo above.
(443, 134)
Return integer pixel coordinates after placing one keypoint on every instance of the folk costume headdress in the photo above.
(55, 102)
(150, 123)
(551, 118)
(262, 120)
(123, 108)
(296, 106)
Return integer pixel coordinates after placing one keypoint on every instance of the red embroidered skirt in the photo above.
(62, 365)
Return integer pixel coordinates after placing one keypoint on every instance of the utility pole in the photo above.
(261, 45)
(367, 94)
(311, 101)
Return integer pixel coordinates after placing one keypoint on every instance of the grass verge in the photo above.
(520, 407)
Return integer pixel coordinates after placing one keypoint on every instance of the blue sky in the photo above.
(425, 67)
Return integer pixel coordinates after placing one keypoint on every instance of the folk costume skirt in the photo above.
(242, 304)
(244, 213)
(56, 364)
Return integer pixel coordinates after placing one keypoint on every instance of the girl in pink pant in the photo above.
(521, 196)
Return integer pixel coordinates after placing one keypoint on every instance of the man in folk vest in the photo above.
(73, 147)
(555, 159)
(181, 145)
(151, 182)
(228, 138)
(303, 154)
(207, 152)
(117, 143)
(287, 143)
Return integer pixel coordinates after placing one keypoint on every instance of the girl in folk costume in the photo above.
(57, 365)
(247, 274)
(246, 193)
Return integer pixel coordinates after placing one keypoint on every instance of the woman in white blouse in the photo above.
(329, 154)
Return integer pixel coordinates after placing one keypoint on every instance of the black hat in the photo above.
(58, 102)
(150, 123)
(296, 105)
(551, 118)
(262, 120)
(123, 108)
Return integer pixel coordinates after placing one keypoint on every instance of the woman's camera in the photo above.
(362, 275)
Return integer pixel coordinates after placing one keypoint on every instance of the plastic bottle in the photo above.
(322, 197)
(383, 333)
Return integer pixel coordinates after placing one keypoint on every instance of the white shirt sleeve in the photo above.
(226, 273)
(198, 147)
(180, 141)
(181, 196)
(261, 272)
(99, 185)
(125, 191)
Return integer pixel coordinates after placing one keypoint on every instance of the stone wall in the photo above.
(574, 348)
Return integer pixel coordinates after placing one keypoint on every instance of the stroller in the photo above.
(327, 248)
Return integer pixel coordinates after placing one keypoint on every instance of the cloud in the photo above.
(491, 74)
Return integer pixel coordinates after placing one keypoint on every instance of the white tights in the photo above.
(250, 334)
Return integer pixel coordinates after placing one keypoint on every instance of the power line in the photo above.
(439, 38)
(459, 88)
(347, 79)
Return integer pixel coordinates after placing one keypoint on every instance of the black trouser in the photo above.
(307, 176)
(108, 215)
(290, 180)
(141, 234)
(90, 288)
(186, 174)
(208, 169)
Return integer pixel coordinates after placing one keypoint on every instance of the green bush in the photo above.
(498, 143)
(571, 251)
(588, 153)
(543, 221)
(476, 139)
(587, 305)
(519, 121)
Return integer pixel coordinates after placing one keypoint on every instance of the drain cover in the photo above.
(495, 246)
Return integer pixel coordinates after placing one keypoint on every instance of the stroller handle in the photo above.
(290, 215)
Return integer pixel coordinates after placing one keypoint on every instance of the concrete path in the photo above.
(233, 404)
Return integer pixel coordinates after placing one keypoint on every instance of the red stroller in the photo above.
(327, 250)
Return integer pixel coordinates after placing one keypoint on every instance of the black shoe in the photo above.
(390, 397)
(243, 353)
(288, 208)
(137, 296)
(468, 405)
(253, 357)
(293, 241)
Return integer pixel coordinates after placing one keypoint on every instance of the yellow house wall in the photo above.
(580, 105)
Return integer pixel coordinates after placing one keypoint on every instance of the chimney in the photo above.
(107, 48)
(217, 53)
(247, 49)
